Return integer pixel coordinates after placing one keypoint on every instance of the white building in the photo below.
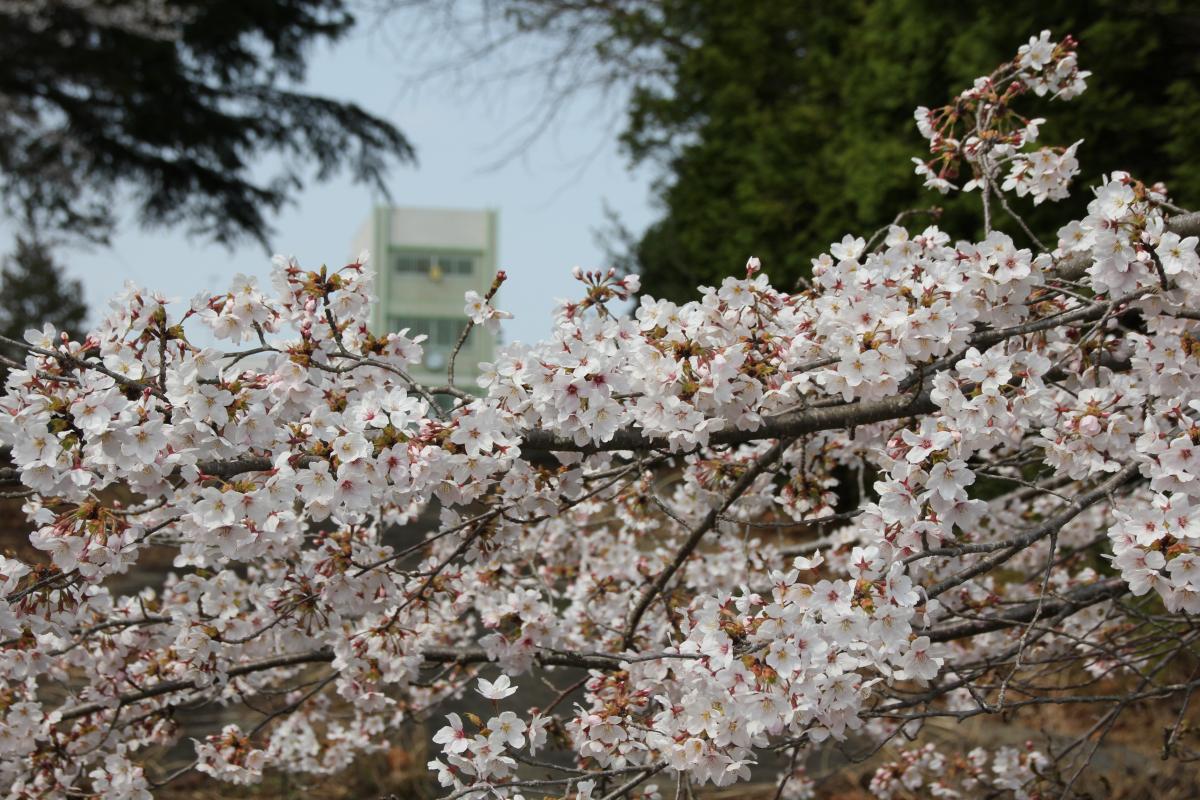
(425, 259)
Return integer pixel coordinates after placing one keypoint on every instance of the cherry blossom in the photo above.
(722, 535)
(498, 689)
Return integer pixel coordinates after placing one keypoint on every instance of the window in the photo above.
(443, 333)
(459, 265)
(412, 262)
(423, 262)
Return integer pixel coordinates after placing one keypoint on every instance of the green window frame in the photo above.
(443, 332)
(422, 262)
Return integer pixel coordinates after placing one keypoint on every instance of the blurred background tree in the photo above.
(771, 124)
(191, 108)
(35, 291)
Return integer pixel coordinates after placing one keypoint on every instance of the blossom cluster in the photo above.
(750, 524)
(981, 129)
(927, 771)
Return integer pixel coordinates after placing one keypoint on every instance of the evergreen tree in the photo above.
(34, 291)
(191, 107)
(791, 121)
(774, 123)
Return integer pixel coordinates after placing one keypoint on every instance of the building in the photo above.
(425, 260)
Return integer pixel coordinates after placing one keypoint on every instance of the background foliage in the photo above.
(775, 123)
(193, 108)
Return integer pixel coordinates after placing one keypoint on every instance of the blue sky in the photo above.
(551, 195)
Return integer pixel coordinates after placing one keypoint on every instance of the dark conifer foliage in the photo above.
(34, 291)
(191, 107)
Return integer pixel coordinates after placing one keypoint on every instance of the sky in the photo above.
(551, 195)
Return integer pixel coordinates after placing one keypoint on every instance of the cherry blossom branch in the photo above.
(1069, 602)
(432, 655)
(1012, 546)
(685, 550)
(1073, 266)
(471, 321)
(329, 523)
(847, 415)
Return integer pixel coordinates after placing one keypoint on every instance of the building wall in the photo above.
(425, 260)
